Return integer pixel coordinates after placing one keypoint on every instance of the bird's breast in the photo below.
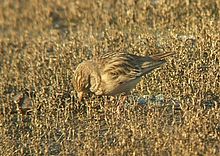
(112, 88)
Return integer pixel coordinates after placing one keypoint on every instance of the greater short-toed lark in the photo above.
(114, 73)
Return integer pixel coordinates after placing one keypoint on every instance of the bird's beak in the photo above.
(80, 96)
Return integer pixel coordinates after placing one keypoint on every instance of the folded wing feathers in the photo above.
(123, 64)
(132, 66)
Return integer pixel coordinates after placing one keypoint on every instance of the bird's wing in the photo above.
(121, 67)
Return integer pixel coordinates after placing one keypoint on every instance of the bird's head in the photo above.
(81, 79)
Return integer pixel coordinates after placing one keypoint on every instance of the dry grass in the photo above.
(42, 42)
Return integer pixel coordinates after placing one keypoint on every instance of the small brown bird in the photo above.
(114, 73)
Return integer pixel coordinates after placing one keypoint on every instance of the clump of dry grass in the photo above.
(42, 42)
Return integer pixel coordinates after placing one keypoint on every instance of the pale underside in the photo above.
(109, 86)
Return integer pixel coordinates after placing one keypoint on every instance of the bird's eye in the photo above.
(114, 75)
(120, 82)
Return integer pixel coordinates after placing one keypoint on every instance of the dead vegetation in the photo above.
(42, 42)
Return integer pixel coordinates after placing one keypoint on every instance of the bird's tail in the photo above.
(154, 61)
(161, 56)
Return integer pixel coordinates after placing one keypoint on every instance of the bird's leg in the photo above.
(121, 103)
(123, 99)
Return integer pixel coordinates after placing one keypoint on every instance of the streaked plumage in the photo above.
(114, 73)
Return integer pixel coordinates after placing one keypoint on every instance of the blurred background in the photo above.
(173, 111)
